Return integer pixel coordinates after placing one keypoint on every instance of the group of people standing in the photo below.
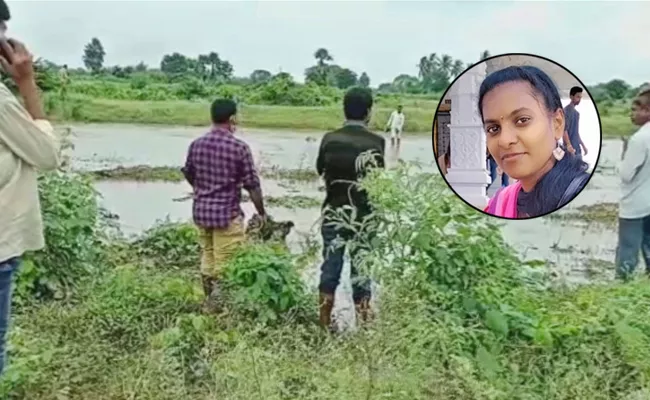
(219, 164)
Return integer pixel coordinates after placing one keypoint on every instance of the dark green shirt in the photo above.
(337, 160)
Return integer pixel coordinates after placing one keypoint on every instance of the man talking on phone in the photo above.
(28, 144)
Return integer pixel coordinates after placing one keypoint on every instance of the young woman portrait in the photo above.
(524, 121)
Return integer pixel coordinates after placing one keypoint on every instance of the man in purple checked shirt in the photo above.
(218, 165)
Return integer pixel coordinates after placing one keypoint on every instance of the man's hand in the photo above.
(584, 149)
(16, 61)
(571, 150)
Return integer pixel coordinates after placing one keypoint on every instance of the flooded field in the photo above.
(571, 245)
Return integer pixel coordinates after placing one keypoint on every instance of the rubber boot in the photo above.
(212, 292)
(326, 302)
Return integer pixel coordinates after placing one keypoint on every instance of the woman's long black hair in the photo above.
(546, 195)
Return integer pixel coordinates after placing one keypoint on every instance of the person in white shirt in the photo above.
(27, 144)
(634, 209)
(396, 125)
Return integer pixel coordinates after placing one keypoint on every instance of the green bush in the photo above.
(169, 245)
(263, 283)
(73, 235)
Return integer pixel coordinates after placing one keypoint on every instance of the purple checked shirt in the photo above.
(218, 165)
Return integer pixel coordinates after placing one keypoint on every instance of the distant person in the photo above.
(523, 119)
(572, 139)
(495, 170)
(28, 144)
(64, 80)
(396, 125)
(218, 165)
(444, 160)
(337, 162)
(634, 209)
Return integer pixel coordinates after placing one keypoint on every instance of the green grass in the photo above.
(614, 118)
(196, 113)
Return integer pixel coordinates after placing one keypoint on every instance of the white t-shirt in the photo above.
(396, 120)
(635, 176)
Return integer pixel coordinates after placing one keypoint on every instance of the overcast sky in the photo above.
(597, 41)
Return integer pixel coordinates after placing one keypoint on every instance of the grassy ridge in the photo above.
(614, 118)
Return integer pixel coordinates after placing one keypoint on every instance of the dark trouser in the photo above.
(7, 270)
(333, 251)
(493, 173)
(633, 236)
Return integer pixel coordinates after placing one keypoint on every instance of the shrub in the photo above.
(169, 245)
(73, 236)
(263, 283)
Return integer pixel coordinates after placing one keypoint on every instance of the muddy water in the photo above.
(139, 205)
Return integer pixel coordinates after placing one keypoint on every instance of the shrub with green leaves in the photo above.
(73, 236)
(263, 282)
(169, 245)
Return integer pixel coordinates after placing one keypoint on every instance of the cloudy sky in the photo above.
(598, 41)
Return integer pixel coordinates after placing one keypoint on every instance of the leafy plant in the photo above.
(73, 236)
(263, 283)
(169, 245)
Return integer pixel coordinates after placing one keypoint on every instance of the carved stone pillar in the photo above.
(468, 174)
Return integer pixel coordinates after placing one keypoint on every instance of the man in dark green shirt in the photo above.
(339, 164)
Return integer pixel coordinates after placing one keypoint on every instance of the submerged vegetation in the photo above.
(460, 315)
(605, 214)
(173, 174)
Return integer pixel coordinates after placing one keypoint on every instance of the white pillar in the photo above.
(468, 174)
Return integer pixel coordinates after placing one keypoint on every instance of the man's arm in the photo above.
(580, 142)
(25, 131)
(633, 159)
(320, 159)
(188, 169)
(381, 161)
(568, 125)
(251, 180)
(390, 119)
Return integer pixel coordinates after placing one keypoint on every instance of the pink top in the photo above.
(504, 202)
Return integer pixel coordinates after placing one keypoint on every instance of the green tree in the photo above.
(323, 56)
(617, 89)
(174, 64)
(260, 76)
(405, 83)
(141, 67)
(93, 57)
(364, 80)
(484, 54)
(457, 68)
(341, 78)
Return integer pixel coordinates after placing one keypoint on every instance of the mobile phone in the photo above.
(4, 38)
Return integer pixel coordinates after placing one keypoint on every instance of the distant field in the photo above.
(419, 114)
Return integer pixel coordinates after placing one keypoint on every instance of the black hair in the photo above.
(5, 15)
(222, 110)
(644, 94)
(357, 103)
(575, 90)
(548, 192)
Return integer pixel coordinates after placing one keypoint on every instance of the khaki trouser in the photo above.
(218, 245)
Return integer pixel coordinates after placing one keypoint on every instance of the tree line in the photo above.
(435, 72)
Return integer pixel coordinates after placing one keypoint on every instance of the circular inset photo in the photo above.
(517, 136)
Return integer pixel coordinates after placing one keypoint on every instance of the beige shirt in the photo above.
(26, 146)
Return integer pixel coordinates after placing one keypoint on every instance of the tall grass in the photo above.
(460, 317)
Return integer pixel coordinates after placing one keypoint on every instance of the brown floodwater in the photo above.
(569, 245)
